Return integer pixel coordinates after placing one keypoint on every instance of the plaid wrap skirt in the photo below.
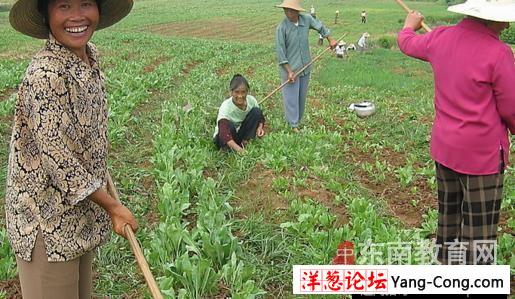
(468, 215)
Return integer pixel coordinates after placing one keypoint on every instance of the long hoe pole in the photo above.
(408, 10)
(136, 249)
(299, 72)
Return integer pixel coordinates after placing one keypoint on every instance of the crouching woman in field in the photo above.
(239, 118)
(57, 207)
(474, 110)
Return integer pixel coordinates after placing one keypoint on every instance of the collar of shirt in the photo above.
(301, 22)
(234, 106)
(476, 25)
(80, 70)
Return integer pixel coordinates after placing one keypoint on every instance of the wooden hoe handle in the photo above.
(299, 72)
(408, 10)
(136, 249)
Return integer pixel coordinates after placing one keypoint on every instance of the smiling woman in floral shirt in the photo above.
(57, 209)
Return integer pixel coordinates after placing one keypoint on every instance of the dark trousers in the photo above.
(247, 128)
(468, 215)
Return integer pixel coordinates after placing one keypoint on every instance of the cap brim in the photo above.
(498, 12)
(25, 17)
(290, 7)
(113, 11)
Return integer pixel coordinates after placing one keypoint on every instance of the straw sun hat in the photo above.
(493, 10)
(25, 17)
(293, 4)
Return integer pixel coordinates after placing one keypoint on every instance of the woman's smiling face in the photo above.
(239, 96)
(72, 22)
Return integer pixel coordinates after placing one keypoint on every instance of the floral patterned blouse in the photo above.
(58, 156)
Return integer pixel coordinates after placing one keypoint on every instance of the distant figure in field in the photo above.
(312, 11)
(474, 114)
(292, 47)
(341, 49)
(239, 118)
(362, 42)
(336, 15)
(363, 16)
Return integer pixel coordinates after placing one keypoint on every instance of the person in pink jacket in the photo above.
(474, 102)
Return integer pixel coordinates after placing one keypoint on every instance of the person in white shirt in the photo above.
(363, 16)
(341, 49)
(362, 42)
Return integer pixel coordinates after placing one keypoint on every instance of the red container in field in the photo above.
(344, 254)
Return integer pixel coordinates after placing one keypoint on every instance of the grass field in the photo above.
(216, 225)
